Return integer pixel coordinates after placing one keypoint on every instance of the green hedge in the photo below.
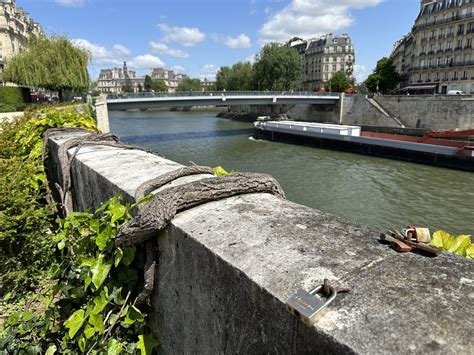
(14, 98)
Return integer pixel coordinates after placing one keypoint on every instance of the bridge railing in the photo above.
(216, 93)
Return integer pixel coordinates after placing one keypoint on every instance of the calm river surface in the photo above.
(373, 191)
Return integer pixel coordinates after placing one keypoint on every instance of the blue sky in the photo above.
(199, 36)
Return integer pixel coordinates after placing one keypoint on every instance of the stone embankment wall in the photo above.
(432, 112)
(428, 112)
(226, 268)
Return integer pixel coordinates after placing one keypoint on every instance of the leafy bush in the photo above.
(91, 305)
(13, 98)
(26, 220)
(67, 291)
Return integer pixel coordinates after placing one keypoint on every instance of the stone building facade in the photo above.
(111, 81)
(323, 57)
(170, 78)
(16, 29)
(438, 56)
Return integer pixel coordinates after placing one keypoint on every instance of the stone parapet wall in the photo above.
(443, 112)
(226, 268)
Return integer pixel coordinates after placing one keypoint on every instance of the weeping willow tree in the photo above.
(52, 63)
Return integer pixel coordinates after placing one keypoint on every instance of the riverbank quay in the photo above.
(430, 112)
(226, 268)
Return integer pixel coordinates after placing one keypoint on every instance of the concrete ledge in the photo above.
(226, 269)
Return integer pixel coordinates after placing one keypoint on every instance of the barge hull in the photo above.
(409, 155)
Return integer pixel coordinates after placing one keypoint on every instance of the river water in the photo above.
(379, 192)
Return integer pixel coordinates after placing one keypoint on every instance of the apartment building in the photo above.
(16, 29)
(324, 56)
(438, 56)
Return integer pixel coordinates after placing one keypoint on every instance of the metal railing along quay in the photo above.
(143, 95)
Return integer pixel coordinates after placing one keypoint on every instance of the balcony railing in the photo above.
(443, 21)
(446, 65)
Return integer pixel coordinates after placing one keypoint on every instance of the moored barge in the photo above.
(451, 149)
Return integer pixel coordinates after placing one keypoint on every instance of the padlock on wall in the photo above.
(305, 305)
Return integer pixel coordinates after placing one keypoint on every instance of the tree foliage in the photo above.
(155, 85)
(339, 82)
(385, 76)
(189, 84)
(127, 85)
(239, 77)
(52, 63)
(277, 67)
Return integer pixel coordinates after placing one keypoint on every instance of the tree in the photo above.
(53, 63)
(222, 78)
(339, 82)
(237, 78)
(277, 67)
(147, 84)
(189, 85)
(159, 86)
(127, 85)
(384, 78)
(155, 85)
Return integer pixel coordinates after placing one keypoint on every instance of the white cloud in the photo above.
(208, 72)
(102, 56)
(122, 49)
(70, 3)
(186, 36)
(146, 61)
(163, 49)
(360, 72)
(241, 41)
(311, 18)
(178, 69)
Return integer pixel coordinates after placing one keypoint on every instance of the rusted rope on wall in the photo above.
(90, 139)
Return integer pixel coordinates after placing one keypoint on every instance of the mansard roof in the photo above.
(440, 5)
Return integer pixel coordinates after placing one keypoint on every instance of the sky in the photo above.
(197, 37)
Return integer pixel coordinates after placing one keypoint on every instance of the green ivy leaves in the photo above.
(75, 322)
(460, 245)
